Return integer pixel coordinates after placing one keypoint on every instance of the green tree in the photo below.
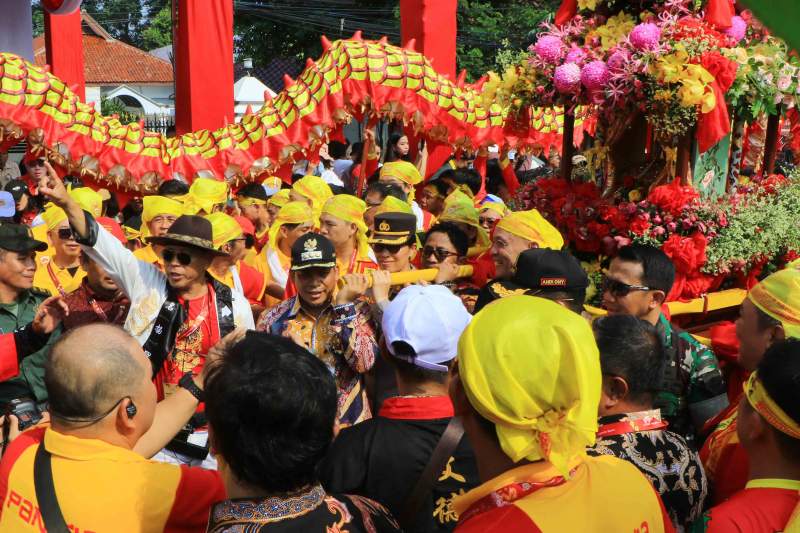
(159, 32)
(115, 106)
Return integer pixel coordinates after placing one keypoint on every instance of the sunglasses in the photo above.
(65, 234)
(36, 163)
(440, 253)
(391, 248)
(183, 258)
(620, 289)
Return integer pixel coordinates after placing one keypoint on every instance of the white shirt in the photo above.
(146, 286)
(10, 172)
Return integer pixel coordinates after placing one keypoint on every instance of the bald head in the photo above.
(90, 369)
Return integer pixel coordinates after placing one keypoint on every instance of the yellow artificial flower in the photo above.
(614, 30)
(587, 4)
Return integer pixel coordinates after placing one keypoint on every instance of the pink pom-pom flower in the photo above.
(738, 28)
(567, 78)
(618, 60)
(646, 36)
(595, 75)
(550, 48)
(575, 55)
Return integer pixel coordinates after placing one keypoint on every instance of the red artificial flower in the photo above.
(673, 198)
(773, 183)
(640, 225)
(688, 254)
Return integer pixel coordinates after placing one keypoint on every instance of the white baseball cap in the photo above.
(430, 319)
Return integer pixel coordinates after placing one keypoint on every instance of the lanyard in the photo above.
(102, 314)
(350, 269)
(630, 426)
(55, 280)
(509, 494)
(198, 321)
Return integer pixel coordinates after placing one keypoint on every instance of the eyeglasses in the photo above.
(620, 289)
(390, 248)
(36, 163)
(487, 221)
(183, 258)
(65, 234)
(440, 253)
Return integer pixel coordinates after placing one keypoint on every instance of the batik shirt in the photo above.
(343, 337)
(664, 458)
(309, 511)
(692, 386)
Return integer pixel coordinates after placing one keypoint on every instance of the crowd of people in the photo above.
(369, 348)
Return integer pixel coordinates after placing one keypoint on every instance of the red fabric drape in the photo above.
(64, 45)
(567, 10)
(715, 125)
(719, 13)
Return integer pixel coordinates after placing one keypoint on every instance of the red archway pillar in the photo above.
(432, 23)
(203, 45)
(64, 44)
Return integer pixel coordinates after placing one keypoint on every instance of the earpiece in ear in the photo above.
(131, 410)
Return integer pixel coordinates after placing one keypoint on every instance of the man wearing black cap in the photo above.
(25, 210)
(338, 330)
(394, 242)
(552, 274)
(252, 200)
(18, 304)
(177, 315)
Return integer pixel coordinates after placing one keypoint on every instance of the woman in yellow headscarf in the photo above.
(406, 176)
(533, 412)
(517, 232)
(58, 269)
(158, 214)
(205, 196)
(342, 222)
(313, 190)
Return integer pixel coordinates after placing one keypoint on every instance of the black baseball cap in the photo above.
(539, 270)
(17, 188)
(19, 238)
(313, 250)
(394, 228)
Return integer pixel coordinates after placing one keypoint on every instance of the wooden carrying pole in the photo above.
(415, 276)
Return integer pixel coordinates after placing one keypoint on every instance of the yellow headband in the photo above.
(53, 216)
(315, 189)
(778, 296)
(247, 202)
(531, 226)
(224, 229)
(280, 198)
(759, 399)
(88, 199)
(402, 170)
(350, 209)
(291, 213)
(497, 207)
(131, 234)
(390, 204)
(543, 402)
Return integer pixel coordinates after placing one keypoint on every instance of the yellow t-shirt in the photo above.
(262, 266)
(54, 279)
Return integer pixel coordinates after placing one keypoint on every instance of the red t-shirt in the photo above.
(764, 506)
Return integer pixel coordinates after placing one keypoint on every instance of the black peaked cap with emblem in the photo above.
(189, 230)
(19, 238)
(313, 250)
(393, 228)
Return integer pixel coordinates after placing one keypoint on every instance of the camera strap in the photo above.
(46, 492)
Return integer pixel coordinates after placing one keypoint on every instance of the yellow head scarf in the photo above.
(315, 189)
(88, 199)
(280, 198)
(390, 204)
(350, 209)
(543, 402)
(224, 228)
(458, 207)
(153, 206)
(497, 207)
(778, 295)
(531, 226)
(204, 194)
(291, 213)
(405, 172)
(53, 216)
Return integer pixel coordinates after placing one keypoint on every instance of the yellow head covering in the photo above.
(350, 209)
(402, 170)
(291, 213)
(280, 198)
(152, 206)
(458, 207)
(53, 216)
(224, 228)
(497, 207)
(204, 194)
(390, 204)
(272, 182)
(531, 226)
(88, 199)
(762, 402)
(315, 189)
(778, 295)
(543, 402)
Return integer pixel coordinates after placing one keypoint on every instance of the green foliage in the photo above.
(159, 32)
(114, 106)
